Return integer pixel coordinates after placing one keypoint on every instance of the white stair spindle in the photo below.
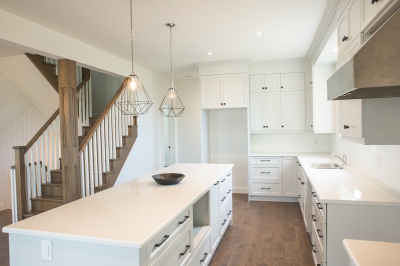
(33, 173)
(86, 105)
(114, 112)
(95, 160)
(100, 162)
(82, 176)
(106, 140)
(57, 157)
(91, 166)
(78, 96)
(87, 170)
(110, 143)
(42, 165)
(48, 154)
(28, 180)
(103, 145)
(37, 168)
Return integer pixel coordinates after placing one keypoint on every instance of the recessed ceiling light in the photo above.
(209, 53)
(335, 49)
(259, 32)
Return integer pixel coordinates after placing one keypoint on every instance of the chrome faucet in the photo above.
(344, 159)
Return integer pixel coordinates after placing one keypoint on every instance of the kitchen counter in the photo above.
(128, 214)
(342, 186)
(372, 253)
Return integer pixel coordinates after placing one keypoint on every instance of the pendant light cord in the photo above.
(132, 40)
(170, 45)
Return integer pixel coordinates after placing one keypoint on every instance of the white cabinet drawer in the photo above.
(225, 216)
(165, 238)
(179, 252)
(319, 207)
(266, 172)
(203, 254)
(265, 160)
(319, 226)
(265, 188)
(316, 250)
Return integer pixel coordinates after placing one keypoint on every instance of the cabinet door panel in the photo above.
(212, 87)
(343, 32)
(272, 110)
(257, 111)
(214, 216)
(290, 177)
(356, 119)
(344, 117)
(292, 81)
(235, 90)
(354, 20)
(257, 83)
(293, 110)
(369, 11)
(272, 82)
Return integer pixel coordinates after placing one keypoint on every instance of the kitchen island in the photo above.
(135, 223)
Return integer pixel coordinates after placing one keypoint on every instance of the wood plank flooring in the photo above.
(264, 233)
(5, 219)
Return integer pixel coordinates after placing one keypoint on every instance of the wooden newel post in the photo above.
(20, 181)
(69, 130)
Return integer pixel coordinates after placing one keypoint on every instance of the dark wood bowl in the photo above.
(168, 178)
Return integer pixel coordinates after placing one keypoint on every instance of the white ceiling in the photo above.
(329, 57)
(224, 27)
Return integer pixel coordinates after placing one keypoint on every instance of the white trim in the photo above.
(246, 60)
(240, 190)
(303, 60)
(278, 199)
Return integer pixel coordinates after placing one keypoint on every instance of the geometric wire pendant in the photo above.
(171, 105)
(134, 99)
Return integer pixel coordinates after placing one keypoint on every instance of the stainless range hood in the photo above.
(374, 71)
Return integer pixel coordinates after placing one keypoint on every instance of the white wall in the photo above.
(382, 162)
(19, 120)
(290, 142)
(189, 124)
(228, 143)
(147, 152)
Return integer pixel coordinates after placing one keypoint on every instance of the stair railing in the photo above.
(13, 194)
(84, 95)
(101, 142)
(43, 152)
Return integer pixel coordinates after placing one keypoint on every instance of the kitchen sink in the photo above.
(326, 166)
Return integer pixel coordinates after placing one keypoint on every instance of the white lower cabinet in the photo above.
(203, 254)
(272, 177)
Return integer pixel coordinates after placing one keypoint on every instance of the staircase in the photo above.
(104, 145)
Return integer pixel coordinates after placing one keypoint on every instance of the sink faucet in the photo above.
(344, 159)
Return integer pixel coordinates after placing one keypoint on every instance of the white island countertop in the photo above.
(342, 186)
(128, 214)
(372, 253)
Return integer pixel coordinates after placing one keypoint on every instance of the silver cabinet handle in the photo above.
(265, 172)
(228, 175)
(265, 188)
(265, 160)
(319, 233)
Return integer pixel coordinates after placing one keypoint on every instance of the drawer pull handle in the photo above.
(204, 258)
(223, 199)
(222, 180)
(229, 213)
(265, 188)
(313, 218)
(299, 197)
(224, 222)
(265, 172)
(229, 191)
(186, 249)
(229, 174)
(313, 250)
(314, 195)
(216, 183)
(302, 183)
(319, 206)
(265, 160)
(319, 233)
(374, 1)
(184, 220)
(162, 242)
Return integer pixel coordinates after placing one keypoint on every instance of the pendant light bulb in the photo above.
(133, 82)
(171, 93)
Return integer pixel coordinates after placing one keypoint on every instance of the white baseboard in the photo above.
(240, 190)
(1, 206)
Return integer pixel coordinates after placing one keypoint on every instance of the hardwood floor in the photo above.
(264, 233)
(5, 219)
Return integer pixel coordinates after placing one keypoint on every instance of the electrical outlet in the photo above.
(377, 160)
(47, 251)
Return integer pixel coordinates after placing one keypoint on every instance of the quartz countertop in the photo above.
(372, 253)
(128, 214)
(342, 186)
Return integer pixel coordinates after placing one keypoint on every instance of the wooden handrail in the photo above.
(101, 117)
(85, 79)
(41, 130)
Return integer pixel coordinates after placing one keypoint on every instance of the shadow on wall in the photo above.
(104, 87)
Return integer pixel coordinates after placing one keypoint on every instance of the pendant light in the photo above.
(171, 105)
(134, 99)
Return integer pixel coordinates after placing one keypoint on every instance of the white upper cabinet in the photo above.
(224, 91)
(235, 90)
(293, 110)
(349, 25)
(292, 81)
(272, 111)
(273, 108)
(265, 83)
(370, 9)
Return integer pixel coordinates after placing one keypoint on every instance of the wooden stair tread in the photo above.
(109, 172)
(122, 147)
(56, 171)
(50, 184)
(49, 198)
(31, 213)
(115, 159)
